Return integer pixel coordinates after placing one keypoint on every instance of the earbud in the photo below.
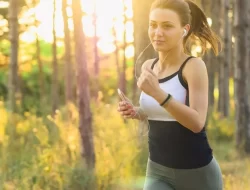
(184, 33)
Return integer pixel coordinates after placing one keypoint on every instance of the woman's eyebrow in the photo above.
(165, 22)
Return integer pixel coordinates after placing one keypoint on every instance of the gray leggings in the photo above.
(159, 177)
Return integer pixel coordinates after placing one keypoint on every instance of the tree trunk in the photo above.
(215, 9)
(141, 39)
(55, 66)
(116, 55)
(85, 116)
(96, 55)
(248, 49)
(204, 5)
(96, 64)
(241, 75)
(247, 148)
(221, 74)
(227, 58)
(41, 76)
(124, 65)
(211, 75)
(13, 66)
(67, 56)
(209, 59)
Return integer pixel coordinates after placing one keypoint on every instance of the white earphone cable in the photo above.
(137, 112)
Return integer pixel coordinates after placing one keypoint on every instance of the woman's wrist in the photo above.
(139, 114)
(167, 99)
(160, 96)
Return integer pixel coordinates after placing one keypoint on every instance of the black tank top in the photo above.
(170, 143)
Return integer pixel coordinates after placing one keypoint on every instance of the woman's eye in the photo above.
(153, 25)
(166, 26)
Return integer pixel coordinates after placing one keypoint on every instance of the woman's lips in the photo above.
(158, 42)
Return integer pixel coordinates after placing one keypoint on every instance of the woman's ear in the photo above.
(186, 30)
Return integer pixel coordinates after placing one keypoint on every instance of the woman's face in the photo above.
(165, 30)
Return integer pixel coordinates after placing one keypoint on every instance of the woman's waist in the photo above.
(174, 131)
(180, 155)
(175, 143)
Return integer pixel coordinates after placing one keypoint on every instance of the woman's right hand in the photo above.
(127, 110)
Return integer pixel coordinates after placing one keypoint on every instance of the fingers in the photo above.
(150, 71)
(124, 104)
(130, 116)
(147, 74)
(126, 109)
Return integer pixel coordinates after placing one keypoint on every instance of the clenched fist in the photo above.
(148, 82)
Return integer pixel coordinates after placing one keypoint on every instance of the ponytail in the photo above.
(200, 29)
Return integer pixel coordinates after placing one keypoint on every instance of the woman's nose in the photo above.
(158, 31)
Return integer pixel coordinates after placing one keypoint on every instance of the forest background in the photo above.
(61, 62)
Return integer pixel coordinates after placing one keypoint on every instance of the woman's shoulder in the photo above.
(148, 63)
(195, 67)
(195, 63)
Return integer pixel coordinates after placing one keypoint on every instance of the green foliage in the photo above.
(46, 49)
(44, 152)
(29, 80)
(5, 47)
(4, 11)
(220, 128)
(116, 145)
(3, 86)
(107, 82)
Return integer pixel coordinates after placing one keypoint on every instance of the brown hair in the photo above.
(191, 14)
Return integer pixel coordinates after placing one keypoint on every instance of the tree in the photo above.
(227, 59)
(39, 62)
(220, 59)
(96, 54)
(4, 9)
(85, 116)
(13, 66)
(241, 75)
(208, 58)
(55, 66)
(41, 74)
(141, 20)
(116, 53)
(122, 84)
(67, 55)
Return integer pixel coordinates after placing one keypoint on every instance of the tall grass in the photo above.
(43, 153)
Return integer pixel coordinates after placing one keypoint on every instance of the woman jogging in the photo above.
(174, 99)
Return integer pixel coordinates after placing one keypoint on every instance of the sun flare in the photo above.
(106, 23)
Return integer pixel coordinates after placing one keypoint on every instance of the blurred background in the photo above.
(61, 62)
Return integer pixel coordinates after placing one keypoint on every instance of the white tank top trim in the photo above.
(171, 85)
(152, 108)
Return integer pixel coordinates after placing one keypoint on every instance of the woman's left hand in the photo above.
(148, 82)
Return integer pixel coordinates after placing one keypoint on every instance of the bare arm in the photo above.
(193, 116)
(129, 111)
(141, 115)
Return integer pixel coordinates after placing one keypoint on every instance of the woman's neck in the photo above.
(170, 58)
